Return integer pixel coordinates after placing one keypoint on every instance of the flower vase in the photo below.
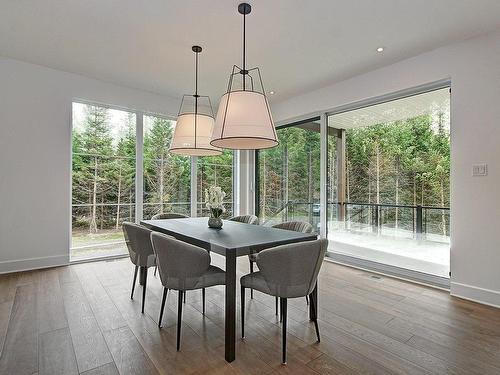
(215, 222)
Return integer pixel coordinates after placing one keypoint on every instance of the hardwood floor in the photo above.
(80, 319)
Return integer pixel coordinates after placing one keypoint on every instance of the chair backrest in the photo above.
(169, 215)
(248, 219)
(296, 226)
(292, 270)
(180, 264)
(139, 246)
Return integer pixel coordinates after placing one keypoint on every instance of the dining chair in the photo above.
(287, 271)
(247, 219)
(296, 226)
(169, 215)
(141, 253)
(183, 267)
(164, 216)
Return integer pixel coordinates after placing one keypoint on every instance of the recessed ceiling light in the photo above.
(271, 92)
(380, 49)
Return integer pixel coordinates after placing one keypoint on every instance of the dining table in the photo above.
(233, 240)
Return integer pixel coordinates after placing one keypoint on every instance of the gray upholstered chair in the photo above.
(287, 271)
(296, 226)
(247, 219)
(141, 253)
(164, 216)
(169, 215)
(182, 267)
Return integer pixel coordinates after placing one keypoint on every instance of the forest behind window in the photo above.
(104, 176)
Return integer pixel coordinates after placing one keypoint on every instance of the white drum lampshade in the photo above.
(193, 133)
(244, 122)
(195, 123)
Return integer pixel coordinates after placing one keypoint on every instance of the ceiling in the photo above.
(434, 103)
(299, 45)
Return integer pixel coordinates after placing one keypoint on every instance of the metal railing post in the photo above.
(419, 225)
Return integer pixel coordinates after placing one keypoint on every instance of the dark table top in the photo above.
(241, 238)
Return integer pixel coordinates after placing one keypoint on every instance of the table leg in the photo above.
(313, 307)
(142, 275)
(230, 306)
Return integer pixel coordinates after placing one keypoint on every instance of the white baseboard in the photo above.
(473, 293)
(33, 263)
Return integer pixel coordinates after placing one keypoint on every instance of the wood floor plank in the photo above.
(329, 366)
(50, 307)
(107, 315)
(20, 354)
(90, 347)
(128, 354)
(5, 314)
(108, 369)
(56, 355)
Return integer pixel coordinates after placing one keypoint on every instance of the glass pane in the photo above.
(397, 183)
(215, 171)
(167, 186)
(289, 176)
(103, 179)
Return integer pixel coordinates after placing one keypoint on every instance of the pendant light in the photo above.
(195, 123)
(244, 120)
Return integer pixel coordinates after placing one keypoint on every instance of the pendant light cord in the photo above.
(195, 97)
(244, 47)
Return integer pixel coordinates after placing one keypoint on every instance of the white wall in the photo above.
(35, 156)
(474, 69)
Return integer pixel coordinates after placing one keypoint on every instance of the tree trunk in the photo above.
(160, 182)
(443, 217)
(285, 182)
(101, 219)
(422, 192)
(263, 191)
(396, 224)
(310, 185)
(119, 194)
(378, 171)
(93, 222)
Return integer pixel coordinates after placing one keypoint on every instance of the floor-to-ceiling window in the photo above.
(390, 204)
(106, 190)
(103, 179)
(289, 176)
(167, 177)
(215, 171)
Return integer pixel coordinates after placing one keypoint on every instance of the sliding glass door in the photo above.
(392, 204)
(289, 176)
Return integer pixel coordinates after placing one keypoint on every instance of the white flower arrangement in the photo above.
(214, 196)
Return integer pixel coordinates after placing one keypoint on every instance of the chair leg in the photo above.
(315, 320)
(144, 288)
(242, 312)
(307, 300)
(133, 283)
(251, 271)
(156, 269)
(276, 307)
(184, 294)
(203, 299)
(165, 291)
(283, 332)
(179, 319)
